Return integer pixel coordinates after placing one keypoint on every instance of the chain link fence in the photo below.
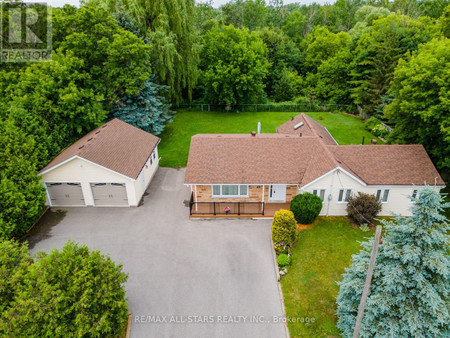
(272, 107)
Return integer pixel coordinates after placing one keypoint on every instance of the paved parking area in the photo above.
(211, 278)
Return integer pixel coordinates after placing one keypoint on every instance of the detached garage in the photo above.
(111, 166)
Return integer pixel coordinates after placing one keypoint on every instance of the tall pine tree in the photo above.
(147, 110)
(410, 291)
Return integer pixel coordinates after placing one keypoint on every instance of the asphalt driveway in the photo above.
(187, 278)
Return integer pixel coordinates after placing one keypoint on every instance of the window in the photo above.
(414, 194)
(382, 195)
(319, 192)
(228, 190)
(344, 195)
(154, 154)
(151, 161)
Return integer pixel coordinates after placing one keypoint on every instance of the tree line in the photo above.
(131, 59)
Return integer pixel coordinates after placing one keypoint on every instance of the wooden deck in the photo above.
(246, 211)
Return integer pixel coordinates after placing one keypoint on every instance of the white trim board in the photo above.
(330, 172)
(81, 158)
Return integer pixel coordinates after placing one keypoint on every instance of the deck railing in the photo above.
(225, 208)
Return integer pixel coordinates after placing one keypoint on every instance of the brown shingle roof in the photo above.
(247, 159)
(309, 128)
(289, 158)
(116, 145)
(388, 164)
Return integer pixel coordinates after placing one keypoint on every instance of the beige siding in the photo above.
(78, 170)
(398, 201)
(84, 172)
(146, 175)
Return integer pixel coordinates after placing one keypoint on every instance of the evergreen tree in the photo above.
(147, 110)
(410, 291)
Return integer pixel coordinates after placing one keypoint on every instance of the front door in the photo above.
(277, 193)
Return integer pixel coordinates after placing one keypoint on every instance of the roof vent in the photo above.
(81, 146)
(90, 139)
(97, 132)
(104, 126)
(253, 133)
(298, 125)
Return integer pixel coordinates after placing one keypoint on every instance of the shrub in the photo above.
(363, 208)
(371, 123)
(283, 260)
(284, 230)
(380, 131)
(374, 125)
(14, 262)
(364, 228)
(306, 207)
(81, 293)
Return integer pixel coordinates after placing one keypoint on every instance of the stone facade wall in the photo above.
(204, 194)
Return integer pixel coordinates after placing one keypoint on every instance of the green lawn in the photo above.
(318, 261)
(176, 138)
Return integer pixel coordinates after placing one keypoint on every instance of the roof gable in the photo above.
(302, 155)
(308, 127)
(259, 159)
(116, 145)
(388, 164)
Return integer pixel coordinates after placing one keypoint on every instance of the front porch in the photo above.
(234, 209)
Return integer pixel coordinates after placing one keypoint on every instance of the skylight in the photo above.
(298, 125)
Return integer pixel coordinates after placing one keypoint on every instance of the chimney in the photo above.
(253, 133)
(374, 142)
(259, 127)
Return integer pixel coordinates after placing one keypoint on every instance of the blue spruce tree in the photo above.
(147, 110)
(410, 291)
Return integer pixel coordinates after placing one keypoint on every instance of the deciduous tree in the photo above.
(421, 109)
(234, 65)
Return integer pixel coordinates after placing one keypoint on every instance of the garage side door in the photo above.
(65, 194)
(109, 194)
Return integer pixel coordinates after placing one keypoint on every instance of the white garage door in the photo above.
(65, 194)
(109, 194)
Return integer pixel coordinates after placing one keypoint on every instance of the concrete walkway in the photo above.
(187, 278)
